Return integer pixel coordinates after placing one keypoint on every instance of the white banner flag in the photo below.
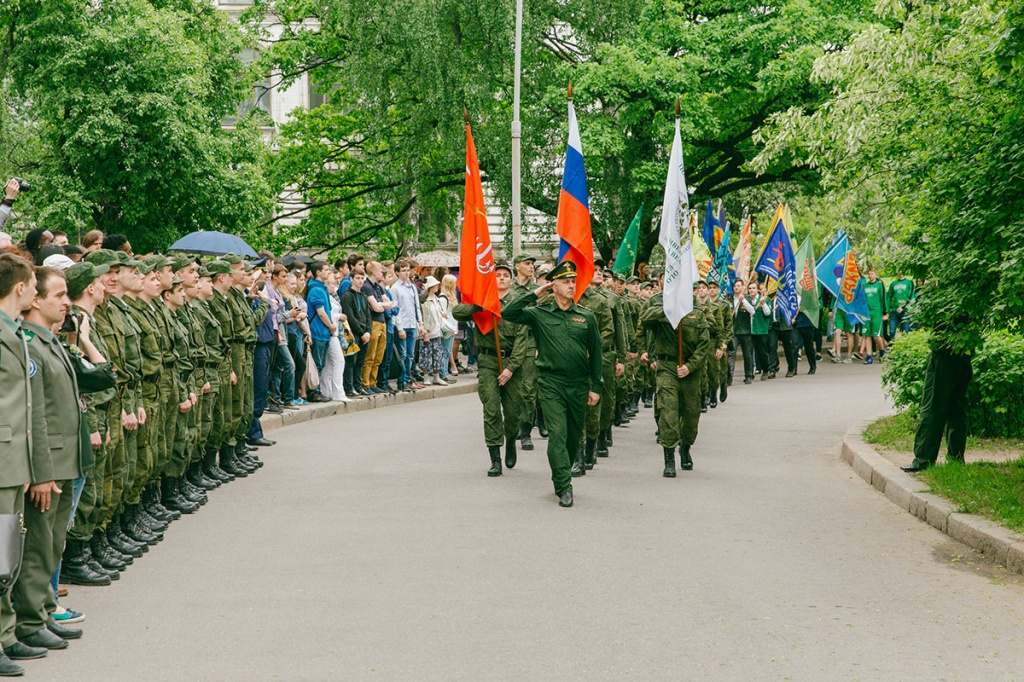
(675, 238)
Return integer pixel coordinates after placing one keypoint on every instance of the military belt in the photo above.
(491, 352)
(667, 358)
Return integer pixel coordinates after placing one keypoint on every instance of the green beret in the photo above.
(231, 258)
(103, 257)
(218, 267)
(503, 265)
(523, 257)
(81, 275)
(182, 261)
(564, 270)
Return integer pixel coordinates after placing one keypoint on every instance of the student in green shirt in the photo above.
(901, 293)
(874, 292)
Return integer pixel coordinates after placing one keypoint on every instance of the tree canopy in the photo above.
(385, 155)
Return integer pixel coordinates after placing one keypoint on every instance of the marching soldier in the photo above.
(677, 395)
(720, 354)
(222, 308)
(569, 368)
(702, 301)
(523, 282)
(216, 363)
(499, 380)
(613, 352)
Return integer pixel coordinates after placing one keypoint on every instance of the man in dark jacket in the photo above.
(356, 308)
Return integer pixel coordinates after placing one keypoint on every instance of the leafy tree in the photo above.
(123, 101)
(386, 153)
(926, 108)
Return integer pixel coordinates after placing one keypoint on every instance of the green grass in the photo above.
(994, 490)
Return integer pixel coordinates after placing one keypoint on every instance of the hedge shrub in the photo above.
(996, 392)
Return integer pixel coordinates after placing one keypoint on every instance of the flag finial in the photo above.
(677, 107)
(570, 90)
(465, 115)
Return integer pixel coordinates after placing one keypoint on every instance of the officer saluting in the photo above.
(568, 367)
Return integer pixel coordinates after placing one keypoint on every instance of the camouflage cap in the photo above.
(181, 261)
(124, 259)
(631, 279)
(503, 265)
(523, 257)
(599, 263)
(81, 275)
(156, 262)
(203, 272)
(248, 266)
(218, 267)
(103, 257)
(231, 258)
(176, 281)
(646, 285)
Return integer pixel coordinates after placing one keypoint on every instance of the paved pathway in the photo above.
(373, 547)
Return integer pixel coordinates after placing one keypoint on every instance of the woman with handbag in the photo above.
(432, 358)
(332, 379)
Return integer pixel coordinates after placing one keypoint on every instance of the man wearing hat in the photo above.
(222, 437)
(677, 396)
(568, 367)
(116, 324)
(209, 474)
(499, 374)
(528, 373)
(86, 542)
(719, 359)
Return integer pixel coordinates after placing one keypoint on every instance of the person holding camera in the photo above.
(11, 190)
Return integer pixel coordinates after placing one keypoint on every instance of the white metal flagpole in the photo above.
(517, 208)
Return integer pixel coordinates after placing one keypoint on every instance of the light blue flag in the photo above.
(830, 266)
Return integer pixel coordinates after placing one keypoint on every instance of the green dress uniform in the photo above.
(677, 400)
(57, 434)
(568, 367)
(595, 300)
(527, 374)
(15, 441)
(501, 404)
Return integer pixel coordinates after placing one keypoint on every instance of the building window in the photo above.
(316, 97)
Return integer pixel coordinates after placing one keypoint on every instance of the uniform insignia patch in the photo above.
(581, 320)
(29, 335)
(33, 368)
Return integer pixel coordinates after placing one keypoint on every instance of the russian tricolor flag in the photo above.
(573, 223)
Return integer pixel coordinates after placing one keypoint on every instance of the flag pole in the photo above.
(517, 132)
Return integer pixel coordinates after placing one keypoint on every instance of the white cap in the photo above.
(59, 261)
(6, 239)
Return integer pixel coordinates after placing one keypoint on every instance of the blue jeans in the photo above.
(384, 372)
(447, 345)
(76, 495)
(261, 386)
(320, 355)
(282, 376)
(898, 321)
(406, 352)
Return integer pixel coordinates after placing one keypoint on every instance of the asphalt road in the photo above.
(373, 547)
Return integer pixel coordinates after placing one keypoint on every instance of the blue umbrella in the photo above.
(213, 244)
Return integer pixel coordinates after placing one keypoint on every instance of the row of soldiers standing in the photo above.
(181, 340)
(639, 355)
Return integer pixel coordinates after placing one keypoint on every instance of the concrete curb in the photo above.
(307, 413)
(995, 543)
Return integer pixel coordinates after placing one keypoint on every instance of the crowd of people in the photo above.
(133, 386)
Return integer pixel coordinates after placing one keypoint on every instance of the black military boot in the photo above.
(75, 569)
(577, 465)
(649, 400)
(195, 493)
(524, 436)
(495, 452)
(542, 427)
(601, 445)
(670, 463)
(211, 469)
(135, 529)
(712, 398)
(617, 416)
(685, 462)
(151, 501)
(510, 453)
(608, 437)
(96, 566)
(246, 457)
(173, 499)
(121, 542)
(148, 521)
(104, 555)
(589, 459)
(227, 462)
(199, 479)
(723, 392)
(703, 402)
(626, 416)
(101, 546)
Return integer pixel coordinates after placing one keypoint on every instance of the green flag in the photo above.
(807, 280)
(625, 258)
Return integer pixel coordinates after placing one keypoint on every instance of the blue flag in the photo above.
(851, 299)
(778, 262)
(710, 222)
(830, 266)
